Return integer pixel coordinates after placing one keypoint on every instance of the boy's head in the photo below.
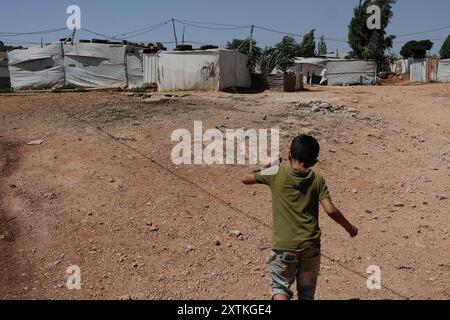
(305, 150)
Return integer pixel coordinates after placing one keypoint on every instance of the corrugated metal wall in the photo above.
(151, 61)
(424, 70)
(417, 71)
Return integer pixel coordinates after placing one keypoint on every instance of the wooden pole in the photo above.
(251, 38)
(174, 32)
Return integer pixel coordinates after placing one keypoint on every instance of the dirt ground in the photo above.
(95, 195)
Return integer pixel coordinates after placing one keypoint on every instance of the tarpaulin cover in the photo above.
(216, 69)
(37, 67)
(349, 72)
(95, 65)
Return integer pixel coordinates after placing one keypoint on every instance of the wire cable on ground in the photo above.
(224, 202)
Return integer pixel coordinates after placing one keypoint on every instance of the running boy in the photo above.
(297, 191)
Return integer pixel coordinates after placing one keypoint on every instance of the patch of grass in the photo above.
(6, 90)
(138, 90)
(69, 87)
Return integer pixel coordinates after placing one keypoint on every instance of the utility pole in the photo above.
(174, 32)
(251, 38)
(184, 29)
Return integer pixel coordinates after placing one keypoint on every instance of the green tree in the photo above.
(366, 43)
(286, 51)
(322, 47)
(445, 50)
(268, 60)
(307, 47)
(416, 49)
(243, 45)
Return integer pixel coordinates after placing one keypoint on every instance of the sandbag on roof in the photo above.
(95, 65)
(37, 68)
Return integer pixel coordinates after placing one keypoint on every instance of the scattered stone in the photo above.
(236, 233)
(442, 197)
(217, 243)
(399, 203)
(36, 142)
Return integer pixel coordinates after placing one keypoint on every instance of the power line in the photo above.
(158, 26)
(212, 28)
(295, 34)
(422, 32)
(13, 34)
(142, 29)
(214, 24)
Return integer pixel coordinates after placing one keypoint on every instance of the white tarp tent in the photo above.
(215, 69)
(95, 65)
(37, 68)
(312, 69)
(135, 67)
(444, 71)
(348, 72)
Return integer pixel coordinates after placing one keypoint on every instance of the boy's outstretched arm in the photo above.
(249, 178)
(335, 214)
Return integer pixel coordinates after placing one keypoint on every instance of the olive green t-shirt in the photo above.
(295, 201)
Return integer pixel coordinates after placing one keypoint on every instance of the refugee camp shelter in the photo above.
(87, 65)
(95, 65)
(37, 68)
(311, 68)
(214, 69)
(4, 71)
(350, 72)
(444, 70)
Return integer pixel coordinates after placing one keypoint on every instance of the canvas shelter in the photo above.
(95, 65)
(214, 69)
(311, 68)
(349, 72)
(37, 68)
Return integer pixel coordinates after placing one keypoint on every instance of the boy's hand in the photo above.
(273, 162)
(353, 231)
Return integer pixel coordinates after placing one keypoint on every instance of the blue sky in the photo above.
(328, 17)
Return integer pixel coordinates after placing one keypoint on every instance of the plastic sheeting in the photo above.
(37, 68)
(135, 67)
(348, 72)
(215, 70)
(95, 65)
(444, 71)
(311, 68)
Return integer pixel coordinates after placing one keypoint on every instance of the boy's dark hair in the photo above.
(305, 149)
